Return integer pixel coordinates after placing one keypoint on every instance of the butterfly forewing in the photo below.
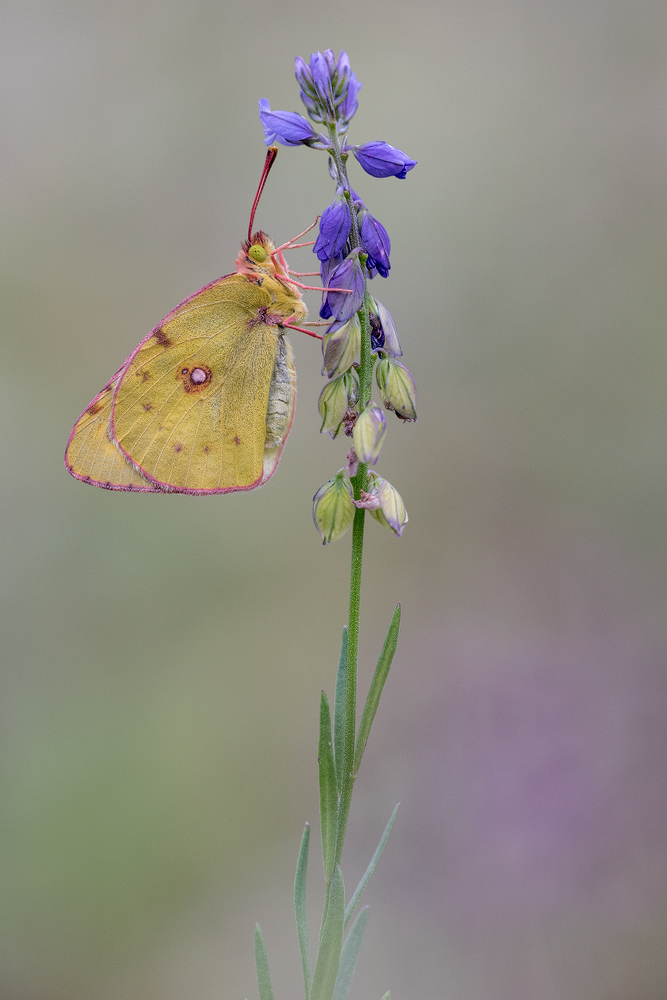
(190, 407)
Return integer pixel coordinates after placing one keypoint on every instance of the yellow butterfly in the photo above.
(204, 404)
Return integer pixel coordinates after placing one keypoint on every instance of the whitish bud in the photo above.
(369, 432)
(391, 512)
(397, 387)
(341, 346)
(333, 508)
(335, 399)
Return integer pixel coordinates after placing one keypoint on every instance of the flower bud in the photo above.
(341, 346)
(391, 512)
(383, 331)
(335, 224)
(335, 398)
(287, 127)
(376, 242)
(382, 160)
(333, 508)
(369, 432)
(396, 387)
(349, 277)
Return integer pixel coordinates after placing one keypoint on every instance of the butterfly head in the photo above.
(258, 256)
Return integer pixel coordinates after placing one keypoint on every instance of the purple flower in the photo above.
(383, 331)
(335, 227)
(321, 74)
(312, 106)
(342, 72)
(304, 77)
(376, 242)
(349, 275)
(288, 127)
(349, 103)
(379, 159)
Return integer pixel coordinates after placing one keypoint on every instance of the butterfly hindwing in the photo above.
(94, 458)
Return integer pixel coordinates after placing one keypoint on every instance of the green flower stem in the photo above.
(359, 483)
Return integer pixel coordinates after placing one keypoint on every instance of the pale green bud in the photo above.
(397, 387)
(336, 398)
(369, 432)
(391, 511)
(341, 347)
(333, 508)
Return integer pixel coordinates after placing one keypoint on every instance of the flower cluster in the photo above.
(352, 246)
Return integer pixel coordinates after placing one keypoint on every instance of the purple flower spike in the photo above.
(376, 242)
(379, 159)
(287, 127)
(335, 227)
(343, 305)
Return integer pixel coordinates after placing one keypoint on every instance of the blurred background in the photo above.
(162, 657)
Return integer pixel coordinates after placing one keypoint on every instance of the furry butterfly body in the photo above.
(206, 401)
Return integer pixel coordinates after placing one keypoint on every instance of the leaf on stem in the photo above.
(262, 963)
(377, 684)
(349, 909)
(387, 996)
(331, 944)
(328, 791)
(300, 908)
(348, 958)
(339, 712)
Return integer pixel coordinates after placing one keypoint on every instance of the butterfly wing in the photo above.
(190, 407)
(93, 457)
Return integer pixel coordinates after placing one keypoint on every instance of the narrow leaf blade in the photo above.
(349, 910)
(339, 711)
(300, 908)
(328, 791)
(331, 944)
(377, 684)
(348, 958)
(262, 963)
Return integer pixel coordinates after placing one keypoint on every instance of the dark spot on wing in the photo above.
(237, 440)
(207, 449)
(178, 446)
(147, 406)
(144, 376)
(196, 378)
(161, 337)
(95, 408)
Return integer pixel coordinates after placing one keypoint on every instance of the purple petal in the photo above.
(335, 227)
(376, 241)
(348, 275)
(287, 127)
(379, 159)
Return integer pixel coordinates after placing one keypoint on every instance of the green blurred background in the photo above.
(162, 656)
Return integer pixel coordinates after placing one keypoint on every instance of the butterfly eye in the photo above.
(257, 253)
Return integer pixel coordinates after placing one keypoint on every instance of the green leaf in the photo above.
(262, 963)
(328, 791)
(387, 996)
(331, 944)
(348, 958)
(339, 711)
(349, 909)
(377, 684)
(300, 908)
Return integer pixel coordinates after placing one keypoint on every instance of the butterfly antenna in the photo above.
(271, 154)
